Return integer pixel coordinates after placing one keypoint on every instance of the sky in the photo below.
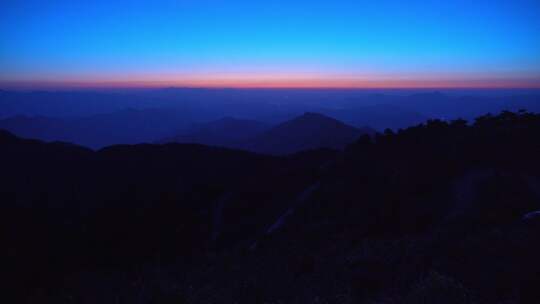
(233, 43)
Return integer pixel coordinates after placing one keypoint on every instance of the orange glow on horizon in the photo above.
(280, 81)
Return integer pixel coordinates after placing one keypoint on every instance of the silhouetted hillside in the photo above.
(309, 131)
(442, 212)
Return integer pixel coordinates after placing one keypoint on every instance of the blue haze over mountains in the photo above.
(238, 116)
(381, 215)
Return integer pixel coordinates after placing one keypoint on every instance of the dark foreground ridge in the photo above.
(443, 212)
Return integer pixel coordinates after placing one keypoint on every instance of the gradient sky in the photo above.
(228, 43)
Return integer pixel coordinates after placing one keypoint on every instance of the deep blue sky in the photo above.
(271, 43)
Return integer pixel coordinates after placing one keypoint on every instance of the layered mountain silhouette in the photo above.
(309, 131)
(274, 106)
(437, 204)
(446, 211)
(435, 210)
(225, 132)
(306, 132)
(128, 126)
(99, 119)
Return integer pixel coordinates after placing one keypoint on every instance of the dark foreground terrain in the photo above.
(443, 212)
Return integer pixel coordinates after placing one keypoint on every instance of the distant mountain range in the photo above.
(100, 119)
(225, 132)
(128, 126)
(269, 106)
(306, 132)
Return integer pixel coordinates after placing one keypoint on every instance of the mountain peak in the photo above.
(313, 118)
(315, 123)
(307, 131)
(314, 115)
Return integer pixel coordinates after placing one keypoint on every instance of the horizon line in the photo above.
(322, 83)
(59, 87)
